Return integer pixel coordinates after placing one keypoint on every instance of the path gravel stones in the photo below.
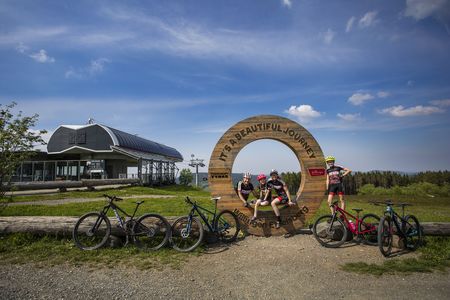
(254, 268)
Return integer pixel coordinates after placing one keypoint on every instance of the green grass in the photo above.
(120, 192)
(51, 250)
(434, 256)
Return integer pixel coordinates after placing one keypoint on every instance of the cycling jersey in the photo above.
(245, 189)
(277, 185)
(264, 189)
(334, 174)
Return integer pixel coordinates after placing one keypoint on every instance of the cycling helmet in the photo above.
(261, 176)
(273, 172)
(247, 175)
(330, 158)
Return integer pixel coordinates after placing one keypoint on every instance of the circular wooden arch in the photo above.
(305, 148)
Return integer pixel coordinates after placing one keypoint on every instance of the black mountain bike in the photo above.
(187, 231)
(406, 227)
(148, 232)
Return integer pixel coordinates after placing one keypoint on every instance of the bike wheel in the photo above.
(187, 233)
(369, 225)
(385, 236)
(91, 231)
(151, 232)
(227, 226)
(328, 232)
(413, 232)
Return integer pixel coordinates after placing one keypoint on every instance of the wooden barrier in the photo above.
(38, 185)
(305, 148)
(65, 225)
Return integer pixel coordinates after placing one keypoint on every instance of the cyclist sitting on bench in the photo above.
(244, 188)
(282, 194)
(263, 190)
(334, 181)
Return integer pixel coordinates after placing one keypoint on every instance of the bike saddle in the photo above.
(404, 204)
(216, 198)
(139, 202)
(357, 209)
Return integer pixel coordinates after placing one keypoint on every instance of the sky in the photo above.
(369, 79)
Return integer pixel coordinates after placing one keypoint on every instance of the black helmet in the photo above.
(273, 172)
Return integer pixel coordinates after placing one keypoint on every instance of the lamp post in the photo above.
(195, 163)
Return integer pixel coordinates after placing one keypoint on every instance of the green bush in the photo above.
(415, 189)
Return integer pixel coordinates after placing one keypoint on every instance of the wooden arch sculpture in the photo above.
(307, 151)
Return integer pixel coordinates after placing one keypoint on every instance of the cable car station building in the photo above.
(95, 151)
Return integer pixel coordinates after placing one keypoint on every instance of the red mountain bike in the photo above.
(331, 231)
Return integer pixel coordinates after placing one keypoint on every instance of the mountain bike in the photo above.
(148, 232)
(406, 227)
(331, 231)
(188, 231)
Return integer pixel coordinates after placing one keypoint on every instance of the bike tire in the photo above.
(370, 222)
(83, 235)
(151, 232)
(385, 234)
(413, 232)
(227, 226)
(330, 235)
(184, 241)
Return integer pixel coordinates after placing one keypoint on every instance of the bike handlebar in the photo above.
(390, 203)
(189, 201)
(112, 198)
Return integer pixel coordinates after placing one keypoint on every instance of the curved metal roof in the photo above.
(130, 141)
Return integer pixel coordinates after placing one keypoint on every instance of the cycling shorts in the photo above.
(283, 199)
(335, 189)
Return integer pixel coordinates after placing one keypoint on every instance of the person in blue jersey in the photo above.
(335, 175)
(281, 194)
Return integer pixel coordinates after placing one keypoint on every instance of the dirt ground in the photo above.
(256, 267)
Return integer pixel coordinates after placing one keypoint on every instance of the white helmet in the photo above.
(247, 175)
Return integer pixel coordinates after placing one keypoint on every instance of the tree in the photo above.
(186, 177)
(16, 142)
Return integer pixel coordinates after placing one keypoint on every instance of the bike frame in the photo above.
(347, 223)
(200, 211)
(116, 210)
(395, 217)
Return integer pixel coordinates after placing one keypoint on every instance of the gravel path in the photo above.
(269, 268)
(82, 200)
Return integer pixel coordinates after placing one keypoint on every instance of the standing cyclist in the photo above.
(282, 194)
(244, 188)
(334, 181)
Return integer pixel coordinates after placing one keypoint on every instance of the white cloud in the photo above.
(350, 22)
(42, 57)
(328, 36)
(368, 19)
(287, 3)
(383, 94)
(421, 9)
(442, 103)
(350, 117)
(304, 112)
(360, 98)
(22, 48)
(45, 137)
(419, 110)
(95, 67)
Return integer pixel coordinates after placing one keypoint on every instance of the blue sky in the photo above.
(369, 79)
